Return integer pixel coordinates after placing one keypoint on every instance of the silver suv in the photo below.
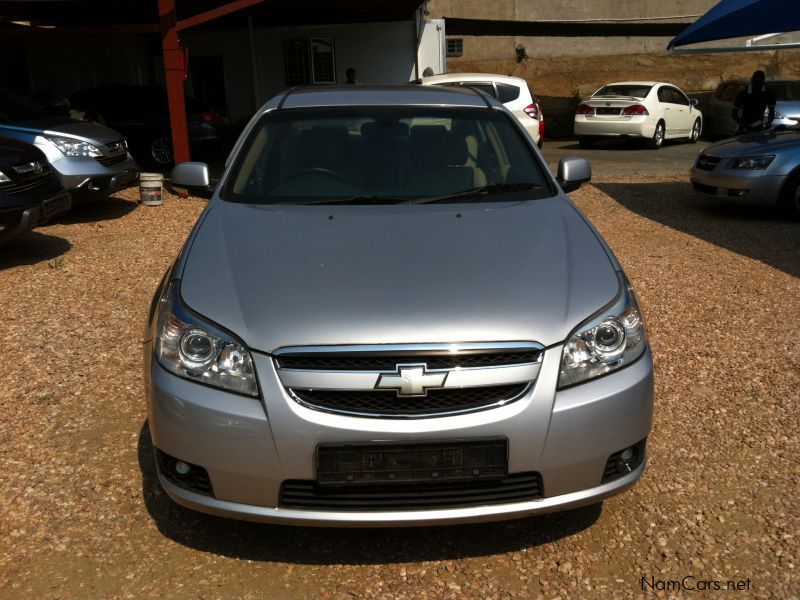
(90, 161)
(372, 325)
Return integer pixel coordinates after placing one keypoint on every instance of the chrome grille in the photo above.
(108, 161)
(409, 381)
(358, 362)
(25, 186)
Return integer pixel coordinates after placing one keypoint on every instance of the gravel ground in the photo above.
(81, 514)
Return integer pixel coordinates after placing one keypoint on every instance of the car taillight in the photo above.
(211, 117)
(585, 109)
(635, 109)
(532, 111)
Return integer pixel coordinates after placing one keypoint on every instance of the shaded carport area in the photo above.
(68, 21)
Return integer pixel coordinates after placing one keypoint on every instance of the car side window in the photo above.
(664, 95)
(678, 97)
(507, 93)
(730, 92)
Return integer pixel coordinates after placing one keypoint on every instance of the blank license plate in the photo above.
(342, 464)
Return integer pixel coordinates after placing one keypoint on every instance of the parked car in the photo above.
(756, 168)
(513, 92)
(90, 161)
(647, 110)
(141, 114)
(719, 108)
(367, 326)
(29, 193)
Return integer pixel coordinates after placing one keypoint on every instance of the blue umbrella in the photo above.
(741, 18)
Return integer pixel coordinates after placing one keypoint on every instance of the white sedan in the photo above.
(647, 110)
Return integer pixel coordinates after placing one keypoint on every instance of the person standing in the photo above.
(750, 104)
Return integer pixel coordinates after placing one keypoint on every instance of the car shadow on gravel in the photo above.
(331, 546)
(31, 248)
(758, 232)
(107, 209)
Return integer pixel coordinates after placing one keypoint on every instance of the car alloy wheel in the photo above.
(658, 136)
(695, 131)
(161, 150)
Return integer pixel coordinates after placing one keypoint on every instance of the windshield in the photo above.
(392, 154)
(14, 107)
(784, 90)
(633, 91)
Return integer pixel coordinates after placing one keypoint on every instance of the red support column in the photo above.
(173, 76)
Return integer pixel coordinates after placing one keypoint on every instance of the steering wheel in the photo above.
(315, 171)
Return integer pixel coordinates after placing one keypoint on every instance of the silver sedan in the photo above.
(372, 324)
(757, 168)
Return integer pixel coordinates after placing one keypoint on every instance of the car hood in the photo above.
(280, 275)
(789, 108)
(754, 144)
(55, 125)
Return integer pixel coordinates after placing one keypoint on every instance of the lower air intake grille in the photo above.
(521, 487)
(387, 404)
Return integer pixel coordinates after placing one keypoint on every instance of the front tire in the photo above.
(696, 129)
(658, 136)
(790, 197)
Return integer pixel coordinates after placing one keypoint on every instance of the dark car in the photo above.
(141, 114)
(30, 195)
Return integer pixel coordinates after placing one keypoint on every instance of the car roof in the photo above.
(404, 95)
(473, 77)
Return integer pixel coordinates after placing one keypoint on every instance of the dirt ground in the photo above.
(82, 515)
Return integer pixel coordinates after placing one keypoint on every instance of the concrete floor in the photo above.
(625, 157)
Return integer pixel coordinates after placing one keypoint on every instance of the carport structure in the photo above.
(171, 18)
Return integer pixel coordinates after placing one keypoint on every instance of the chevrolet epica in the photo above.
(390, 313)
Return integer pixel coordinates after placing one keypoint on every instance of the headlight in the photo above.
(72, 147)
(189, 347)
(608, 341)
(4, 178)
(751, 162)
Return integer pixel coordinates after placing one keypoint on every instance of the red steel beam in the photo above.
(216, 13)
(173, 77)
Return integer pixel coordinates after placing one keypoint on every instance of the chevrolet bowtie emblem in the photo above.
(411, 380)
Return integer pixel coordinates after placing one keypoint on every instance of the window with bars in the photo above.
(455, 46)
(309, 61)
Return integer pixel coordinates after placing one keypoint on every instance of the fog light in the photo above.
(737, 192)
(181, 468)
(627, 454)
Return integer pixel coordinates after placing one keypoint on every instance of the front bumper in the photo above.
(249, 447)
(744, 186)
(87, 179)
(15, 222)
(634, 126)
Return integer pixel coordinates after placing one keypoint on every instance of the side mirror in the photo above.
(194, 177)
(573, 173)
(694, 102)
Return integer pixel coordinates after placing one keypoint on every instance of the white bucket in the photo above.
(151, 191)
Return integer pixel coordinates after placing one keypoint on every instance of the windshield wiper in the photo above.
(361, 200)
(479, 192)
